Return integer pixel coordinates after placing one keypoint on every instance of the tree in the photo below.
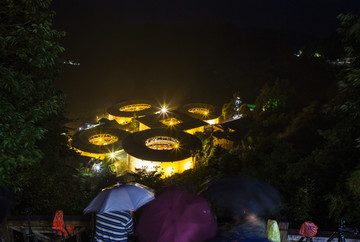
(28, 66)
(273, 110)
(346, 105)
(274, 97)
(151, 179)
(227, 111)
(343, 139)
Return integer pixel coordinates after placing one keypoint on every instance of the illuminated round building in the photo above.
(123, 112)
(99, 141)
(203, 111)
(164, 150)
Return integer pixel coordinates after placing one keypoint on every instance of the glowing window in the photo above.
(134, 107)
(211, 121)
(187, 165)
(202, 111)
(162, 143)
(169, 171)
(170, 121)
(103, 139)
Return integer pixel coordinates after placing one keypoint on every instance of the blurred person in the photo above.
(241, 204)
(248, 227)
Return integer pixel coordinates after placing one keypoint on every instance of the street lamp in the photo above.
(97, 167)
(164, 110)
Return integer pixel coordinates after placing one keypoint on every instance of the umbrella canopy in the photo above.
(125, 196)
(235, 196)
(176, 216)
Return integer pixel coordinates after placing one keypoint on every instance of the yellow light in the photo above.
(211, 121)
(199, 110)
(146, 165)
(134, 107)
(169, 171)
(188, 165)
(161, 143)
(170, 121)
(163, 109)
(112, 155)
(102, 139)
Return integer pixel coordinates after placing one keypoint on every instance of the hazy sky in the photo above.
(180, 50)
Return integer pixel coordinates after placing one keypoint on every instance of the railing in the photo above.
(41, 226)
(321, 236)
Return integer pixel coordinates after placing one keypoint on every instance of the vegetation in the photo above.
(309, 148)
(28, 65)
(342, 139)
(34, 160)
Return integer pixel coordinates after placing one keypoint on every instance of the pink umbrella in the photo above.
(176, 216)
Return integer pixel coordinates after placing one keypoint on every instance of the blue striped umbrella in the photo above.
(124, 196)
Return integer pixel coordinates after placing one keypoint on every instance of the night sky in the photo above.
(181, 51)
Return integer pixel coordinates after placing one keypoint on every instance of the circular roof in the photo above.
(134, 145)
(131, 108)
(81, 140)
(196, 110)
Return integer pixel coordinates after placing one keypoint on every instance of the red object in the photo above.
(176, 216)
(59, 225)
(308, 229)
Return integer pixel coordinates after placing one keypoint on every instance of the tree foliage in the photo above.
(311, 151)
(28, 65)
(342, 139)
(34, 159)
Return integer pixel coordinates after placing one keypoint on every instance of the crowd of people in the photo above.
(180, 215)
(228, 210)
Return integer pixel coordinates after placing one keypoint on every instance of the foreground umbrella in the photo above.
(233, 196)
(176, 215)
(125, 196)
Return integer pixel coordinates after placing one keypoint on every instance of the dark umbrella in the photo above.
(235, 196)
(176, 216)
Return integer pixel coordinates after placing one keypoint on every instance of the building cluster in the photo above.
(138, 134)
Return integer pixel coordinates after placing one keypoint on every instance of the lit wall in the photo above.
(93, 155)
(193, 131)
(212, 121)
(168, 168)
(122, 120)
(143, 127)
